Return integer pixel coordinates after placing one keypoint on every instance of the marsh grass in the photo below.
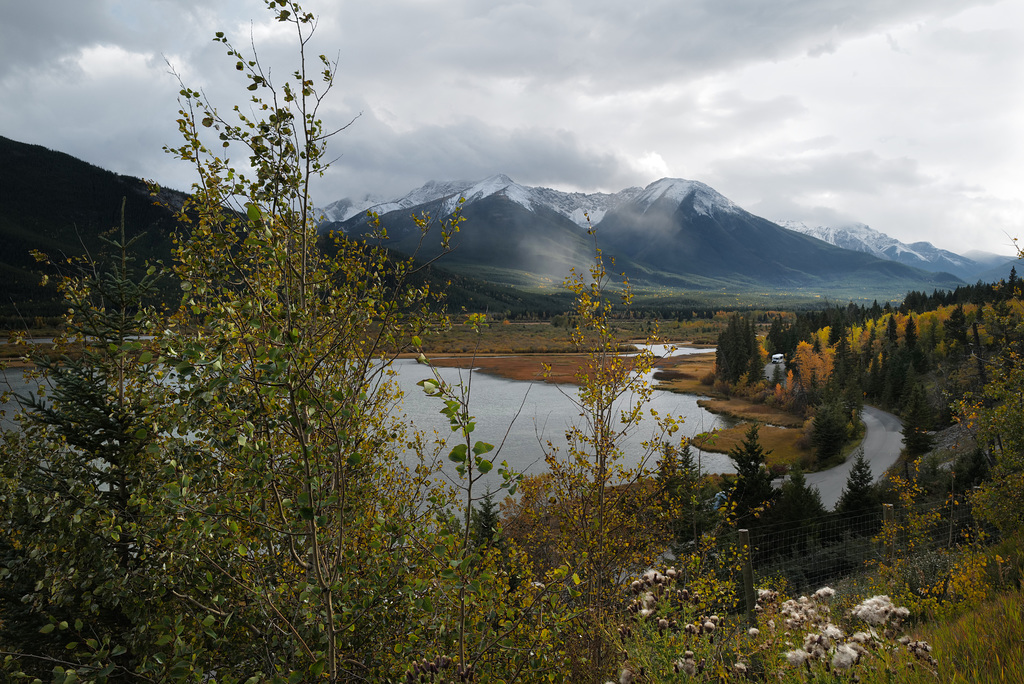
(782, 444)
(523, 337)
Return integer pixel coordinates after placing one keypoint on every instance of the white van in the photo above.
(778, 358)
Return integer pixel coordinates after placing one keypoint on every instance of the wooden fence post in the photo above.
(889, 522)
(748, 575)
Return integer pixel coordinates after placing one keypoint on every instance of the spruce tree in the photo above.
(917, 421)
(798, 509)
(753, 488)
(860, 503)
(828, 430)
(485, 518)
(859, 494)
(88, 466)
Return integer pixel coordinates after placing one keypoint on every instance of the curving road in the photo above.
(882, 443)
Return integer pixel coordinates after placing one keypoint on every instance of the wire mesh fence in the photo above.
(813, 552)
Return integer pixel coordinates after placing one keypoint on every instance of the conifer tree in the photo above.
(859, 495)
(917, 421)
(829, 429)
(85, 469)
(752, 490)
(797, 509)
(485, 519)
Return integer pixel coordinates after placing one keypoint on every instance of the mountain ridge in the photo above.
(673, 233)
(861, 237)
(589, 209)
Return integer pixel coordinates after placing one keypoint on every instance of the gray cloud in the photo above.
(373, 158)
(797, 105)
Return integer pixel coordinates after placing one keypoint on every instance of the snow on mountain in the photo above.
(578, 207)
(346, 208)
(499, 184)
(582, 208)
(862, 238)
(575, 206)
(855, 236)
(706, 200)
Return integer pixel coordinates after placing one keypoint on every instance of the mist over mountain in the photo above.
(674, 233)
(674, 238)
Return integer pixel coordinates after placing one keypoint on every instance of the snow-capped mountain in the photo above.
(861, 238)
(674, 232)
(575, 206)
(706, 200)
(345, 208)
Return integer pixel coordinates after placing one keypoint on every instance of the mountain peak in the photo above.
(860, 237)
(706, 200)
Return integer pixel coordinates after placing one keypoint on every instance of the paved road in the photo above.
(882, 444)
(769, 371)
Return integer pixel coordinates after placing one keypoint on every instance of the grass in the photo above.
(525, 337)
(986, 645)
(779, 443)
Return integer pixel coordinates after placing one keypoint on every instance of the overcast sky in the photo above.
(905, 115)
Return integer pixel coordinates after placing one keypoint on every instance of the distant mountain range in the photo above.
(674, 233)
(675, 239)
(861, 238)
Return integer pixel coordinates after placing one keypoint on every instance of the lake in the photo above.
(544, 411)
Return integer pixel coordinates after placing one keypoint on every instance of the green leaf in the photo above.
(481, 448)
(458, 454)
(483, 465)
(46, 629)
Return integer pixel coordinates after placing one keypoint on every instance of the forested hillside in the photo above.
(58, 205)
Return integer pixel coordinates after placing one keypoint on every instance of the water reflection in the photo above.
(519, 417)
(523, 417)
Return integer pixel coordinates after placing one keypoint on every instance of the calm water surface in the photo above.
(532, 414)
(518, 418)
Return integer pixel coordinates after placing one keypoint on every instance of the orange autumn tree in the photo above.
(815, 363)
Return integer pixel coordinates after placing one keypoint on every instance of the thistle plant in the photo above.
(670, 633)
